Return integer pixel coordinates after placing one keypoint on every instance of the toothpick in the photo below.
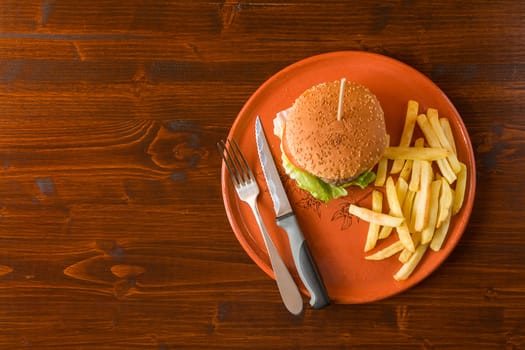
(341, 98)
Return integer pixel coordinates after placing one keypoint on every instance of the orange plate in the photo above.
(335, 238)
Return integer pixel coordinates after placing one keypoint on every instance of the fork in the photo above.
(247, 189)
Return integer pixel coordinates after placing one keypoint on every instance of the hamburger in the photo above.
(331, 138)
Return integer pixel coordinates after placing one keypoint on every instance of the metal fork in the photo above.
(247, 189)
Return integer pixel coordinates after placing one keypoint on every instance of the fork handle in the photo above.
(288, 289)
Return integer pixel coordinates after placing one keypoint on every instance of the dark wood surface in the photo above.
(113, 233)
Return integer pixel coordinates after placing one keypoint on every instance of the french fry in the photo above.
(385, 232)
(433, 141)
(427, 173)
(428, 231)
(395, 208)
(406, 254)
(382, 168)
(373, 228)
(445, 125)
(422, 198)
(420, 142)
(392, 199)
(445, 203)
(428, 131)
(411, 221)
(378, 218)
(433, 118)
(446, 170)
(461, 185)
(408, 203)
(453, 195)
(416, 212)
(407, 170)
(416, 168)
(408, 131)
(406, 270)
(416, 153)
(401, 189)
(387, 252)
(440, 234)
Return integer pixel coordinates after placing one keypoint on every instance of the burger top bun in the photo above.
(335, 150)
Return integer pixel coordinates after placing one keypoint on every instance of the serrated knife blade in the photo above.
(281, 204)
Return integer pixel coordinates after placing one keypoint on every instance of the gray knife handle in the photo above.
(304, 263)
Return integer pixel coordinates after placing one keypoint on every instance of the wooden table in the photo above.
(113, 233)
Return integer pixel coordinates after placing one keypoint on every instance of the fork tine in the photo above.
(234, 163)
(246, 171)
(226, 156)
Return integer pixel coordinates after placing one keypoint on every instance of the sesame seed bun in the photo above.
(335, 150)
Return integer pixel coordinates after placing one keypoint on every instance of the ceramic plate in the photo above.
(336, 239)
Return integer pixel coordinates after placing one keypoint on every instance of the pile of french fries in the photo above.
(424, 189)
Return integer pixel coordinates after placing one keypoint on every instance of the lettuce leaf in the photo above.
(320, 189)
(362, 180)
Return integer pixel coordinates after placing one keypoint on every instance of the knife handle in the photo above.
(304, 262)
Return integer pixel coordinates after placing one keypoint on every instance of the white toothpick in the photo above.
(341, 98)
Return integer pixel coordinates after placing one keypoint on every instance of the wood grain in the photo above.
(113, 234)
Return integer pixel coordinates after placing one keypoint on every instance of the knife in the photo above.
(285, 218)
